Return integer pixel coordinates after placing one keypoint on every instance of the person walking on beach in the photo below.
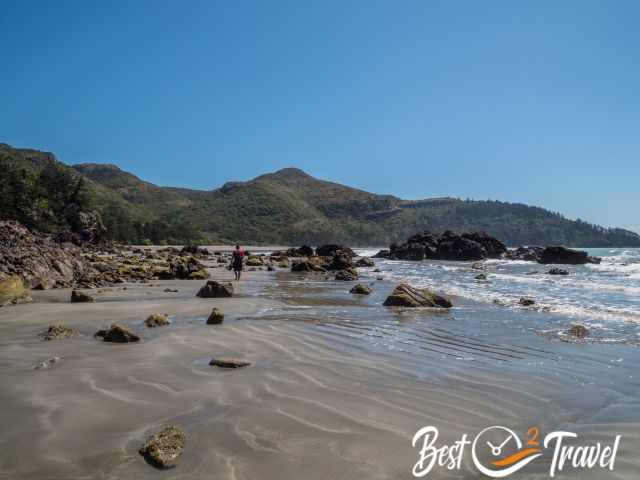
(237, 258)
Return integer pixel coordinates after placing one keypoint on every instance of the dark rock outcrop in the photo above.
(528, 254)
(365, 262)
(347, 275)
(306, 266)
(566, 256)
(213, 289)
(404, 295)
(163, 449)
(303, 251)
(557, 271)
(382, 254)
(578, 331)
(81, 297)
(448, 246)
(117, 334)
(332, 249)
(526, 302)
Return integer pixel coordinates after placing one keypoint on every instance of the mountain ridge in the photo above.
(289, 206)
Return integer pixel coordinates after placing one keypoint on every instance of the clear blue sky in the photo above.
(531, 101)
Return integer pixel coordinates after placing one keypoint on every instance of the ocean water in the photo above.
(605, 297)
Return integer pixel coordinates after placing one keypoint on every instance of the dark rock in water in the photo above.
(340, 261)
(377, 270)
(578, 331)
(59, 332)
(163, 449)
(481, 277)
(478, 266)
(306, 266)
(170, 290)
(405, 295)
(332, 249)
(80, 297)
(526, 302)
(460, 249)
(347, 275)
(117, 334)
(528, 254)
(157, 320)
(303, 251)
(534, 272)
(382, 254)
(228, 363)
(409, 251)
(365, 262)
(216, 317)
(557, 271)
(493, 247)
(562, 255)
(270, 268)
(360, 289)
(213, 289)
(13, 291)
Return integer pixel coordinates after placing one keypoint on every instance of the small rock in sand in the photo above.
(163, 449)
(170, 290)
(117, 334)
(216, 317)
(59, 331)
(47, 363)
(228, 363)
(360, 289)
(157, 320)
(80, 297)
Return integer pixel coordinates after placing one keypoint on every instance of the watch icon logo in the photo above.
(506, 452)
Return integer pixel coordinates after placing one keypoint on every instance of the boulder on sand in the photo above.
(80, 297)
(59, 332)
(216, 317)
(213, 289)
(157, 320)
(117, 334)
(566, 256)
(13, 291)
(347, 275)
(360, 289)
(163, 449)
(404, 295)
(228, 363)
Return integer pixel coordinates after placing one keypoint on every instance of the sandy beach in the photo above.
(337, 389)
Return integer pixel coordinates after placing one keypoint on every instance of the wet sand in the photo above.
(338, 387)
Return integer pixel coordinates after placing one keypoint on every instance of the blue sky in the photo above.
(535, 101)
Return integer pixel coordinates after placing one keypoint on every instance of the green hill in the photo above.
(292, 207)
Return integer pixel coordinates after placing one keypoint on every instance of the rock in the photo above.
(37, 259)
(360, 289)
(557, 271)
(460, 249)
(526, 302)
(170, 290)
(216, 317)
(303, 251)
(381, 254)
(493, 247)
(163, 449)
(47, 363)
(117, 334)
(157, 320)
(578, 331)
(270, 268)
(199, 275)
(306, 266)
(346, 275)
(528, 254)
(81, 297)
(365, 262)
(333, 249)
(228, 363)
(478, 266)
(481, 277)
(59, 332)
(13, 291)
(340, 261)
(534, 272)
(213, 289)
(567, 256)
(405, 295)
(253, 261)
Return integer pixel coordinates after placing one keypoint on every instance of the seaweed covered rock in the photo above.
(577, 330)
(404, 295)
(214, 289)
(216, 316)
(157, 320)
(360, 289)
(347, 275)
(163, 449)
(228, 363)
